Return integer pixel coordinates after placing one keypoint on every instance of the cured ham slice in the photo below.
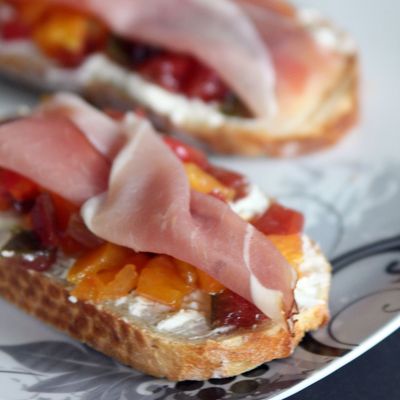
(53, 152)
(148, 204)
(305, 69)
(149, 207)
(275, 6)
(101, 131)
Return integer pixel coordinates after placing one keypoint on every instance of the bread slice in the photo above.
(138, 342)
(106, 84)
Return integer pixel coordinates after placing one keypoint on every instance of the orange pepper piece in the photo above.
(107, 275)
(68, 36)
(61, 30)
(187, 272)
(104, 257)
(202, 182)
(121, 285)
(88, 288)
(291, 247)
(139, 260)
(107, 284)
(208, 283)
(160, 280)
(196, 277)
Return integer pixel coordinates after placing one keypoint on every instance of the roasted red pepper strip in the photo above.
(279, 220)
(205, 84)
(231, 179)
(44, 220)
(5, 201)
(228, 308)
(14, 30)
(170, 71)
(18, 187)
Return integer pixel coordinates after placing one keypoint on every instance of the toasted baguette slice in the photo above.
(141, 345)
(318, 125)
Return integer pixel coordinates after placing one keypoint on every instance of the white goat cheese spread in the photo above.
(255, 203)
(323, 33)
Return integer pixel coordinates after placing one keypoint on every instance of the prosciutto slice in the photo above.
(53, 152)
(306, 70)
(149, 207)
(148, 204)
(102, 132)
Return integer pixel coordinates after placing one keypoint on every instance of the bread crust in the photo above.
(142, 347)
(337, 113)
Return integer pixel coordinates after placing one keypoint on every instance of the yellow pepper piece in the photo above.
(203, 182)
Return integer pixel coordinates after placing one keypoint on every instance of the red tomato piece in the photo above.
(40, 261)
(78, 232)
(5, 201)
(14, 30)
(44, 223)
(279, 220)
(205, 84)
(19, 188)
(231, 179)
(68, 59)
(231, 309)
(71, 247)
(25, 250)
(168, 70)
(186, 153)
(63, 211)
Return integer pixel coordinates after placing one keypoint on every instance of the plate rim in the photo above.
(374, 339)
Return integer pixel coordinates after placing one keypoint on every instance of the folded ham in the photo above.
(53, 152)
(306, 68)
(148, 204)
(155, 211)
(102, 131)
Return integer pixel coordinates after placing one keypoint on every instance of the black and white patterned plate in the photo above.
(352, 210)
